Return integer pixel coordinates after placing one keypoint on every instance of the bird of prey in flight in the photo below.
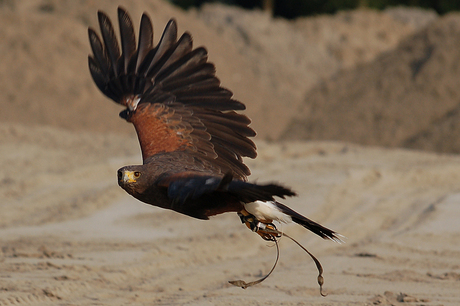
(192, 139)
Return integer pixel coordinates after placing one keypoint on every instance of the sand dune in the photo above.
(46, 80)
(407, 97)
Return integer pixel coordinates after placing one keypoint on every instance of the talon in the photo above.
(250, 221)
(267, 231)
(242, 217)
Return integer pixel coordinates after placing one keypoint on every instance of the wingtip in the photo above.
(146, 17)
(122, 14)
(171, 28)
(122, 10)
(172, 22)
(101, 15)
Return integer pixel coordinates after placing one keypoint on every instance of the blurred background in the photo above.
(298, 8)
(377, 72)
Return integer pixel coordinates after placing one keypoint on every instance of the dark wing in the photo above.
(171, 94)
(202, 196)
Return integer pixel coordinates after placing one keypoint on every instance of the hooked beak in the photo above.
(126, 177)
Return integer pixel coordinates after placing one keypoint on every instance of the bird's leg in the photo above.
(266, 230)
(248, 219)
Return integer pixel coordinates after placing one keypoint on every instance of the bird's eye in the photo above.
(137, 174)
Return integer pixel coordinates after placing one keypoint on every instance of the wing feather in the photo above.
(145, 40)
(184, 65)
(182, 86)
(232, 120)
(100, 56)
(110, 41)
(99, 77)
(172, 95)
(232, 140)
(166, 44)
(230, 162)
(181, 50)
(127, 37)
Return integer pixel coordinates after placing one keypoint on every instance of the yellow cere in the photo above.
(129, 177)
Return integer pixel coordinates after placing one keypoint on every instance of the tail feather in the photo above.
(312, 226)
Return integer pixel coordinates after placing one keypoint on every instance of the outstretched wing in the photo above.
(171, 94)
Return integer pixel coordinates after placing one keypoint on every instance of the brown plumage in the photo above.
(191, 137)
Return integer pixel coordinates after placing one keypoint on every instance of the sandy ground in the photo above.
(70, 236)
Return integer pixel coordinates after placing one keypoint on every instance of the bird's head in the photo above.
(131, 178)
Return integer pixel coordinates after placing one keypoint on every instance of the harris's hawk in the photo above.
(191, 137)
